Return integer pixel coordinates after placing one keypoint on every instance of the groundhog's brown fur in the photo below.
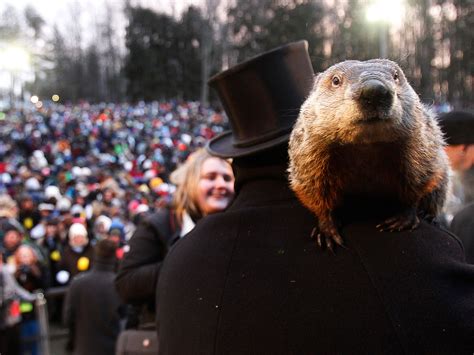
(363, 131)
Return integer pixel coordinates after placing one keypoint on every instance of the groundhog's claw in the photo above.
(429, 217)
(404, 221)
(328, 238)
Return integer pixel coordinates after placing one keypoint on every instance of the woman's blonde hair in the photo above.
(186, 177)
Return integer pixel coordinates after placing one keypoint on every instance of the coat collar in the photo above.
(104, 264)
(261, 185)
(187, 224)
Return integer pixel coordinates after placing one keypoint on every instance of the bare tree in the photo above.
(212, 34)
(75, 46)
(111, 55)
(34, 21)
(9, 23)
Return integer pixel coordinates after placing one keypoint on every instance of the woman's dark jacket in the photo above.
(252, 281)
(138, 274)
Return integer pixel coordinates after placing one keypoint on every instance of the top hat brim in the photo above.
(222, 146)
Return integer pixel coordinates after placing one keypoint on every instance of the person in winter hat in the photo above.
(77, 255)
(101, 227)
(8, 207)
(12, 236)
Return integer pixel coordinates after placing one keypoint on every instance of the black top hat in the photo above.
(262, 98)
(458, 127)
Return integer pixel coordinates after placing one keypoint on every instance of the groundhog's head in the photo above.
(361, 102)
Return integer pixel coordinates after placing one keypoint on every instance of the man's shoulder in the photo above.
(428, 244)
(84, 275)
(262, 221)
(162, 222)
(292, 211)
(162, 213)
(80, 279)
(92, 278)
(464, 216)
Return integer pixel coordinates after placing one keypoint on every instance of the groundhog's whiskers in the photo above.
(289, 112)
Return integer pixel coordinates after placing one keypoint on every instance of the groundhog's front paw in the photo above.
(405, 221)
(327, 237)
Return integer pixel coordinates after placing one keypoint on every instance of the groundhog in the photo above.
(363, 131)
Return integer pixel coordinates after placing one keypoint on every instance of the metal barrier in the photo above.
(42, 315)
(45, 336)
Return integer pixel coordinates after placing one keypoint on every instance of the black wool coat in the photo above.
(251, 281)
(92, 310)
(463, 226)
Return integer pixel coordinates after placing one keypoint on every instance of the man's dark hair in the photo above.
(105, 249)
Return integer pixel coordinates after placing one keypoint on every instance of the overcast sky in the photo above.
(54, 11)
(90, 12)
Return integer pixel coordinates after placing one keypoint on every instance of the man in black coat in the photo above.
(463, 226)
(458, 127)
(92, 307)
(252, 281)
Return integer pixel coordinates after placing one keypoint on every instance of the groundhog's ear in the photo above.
(317, 78)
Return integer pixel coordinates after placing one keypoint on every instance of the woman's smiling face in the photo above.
(216, 186)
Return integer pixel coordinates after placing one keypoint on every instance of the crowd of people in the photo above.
(74, 175)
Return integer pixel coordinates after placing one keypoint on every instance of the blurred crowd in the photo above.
(71, 176)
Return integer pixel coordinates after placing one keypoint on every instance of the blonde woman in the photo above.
(205, 185)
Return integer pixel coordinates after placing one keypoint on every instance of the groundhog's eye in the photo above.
(396, 76)
(336, 81)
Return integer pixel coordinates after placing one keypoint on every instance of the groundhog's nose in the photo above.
(374, 93)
